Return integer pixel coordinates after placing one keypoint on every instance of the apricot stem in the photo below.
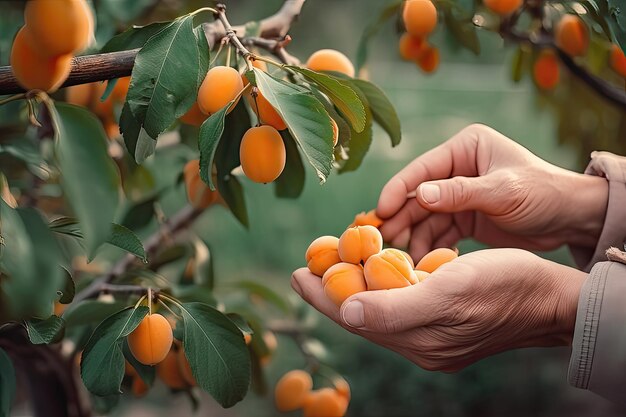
(168, 309)
(143, 297)
(149, 300)
(203, 9)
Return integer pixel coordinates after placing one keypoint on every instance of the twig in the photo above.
(230, 32)
(299, 337)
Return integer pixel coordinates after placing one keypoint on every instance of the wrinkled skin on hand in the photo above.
(483, 185)
(479, 304)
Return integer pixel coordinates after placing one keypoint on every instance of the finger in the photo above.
(391, 311)
(456, 156)
(449, 238)
(310, 288)
(425, 234)
(401, 241)
(410, 214)
(458, 194)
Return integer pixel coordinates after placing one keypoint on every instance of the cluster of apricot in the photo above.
(295, 391)
(43, 48)
(262, 151)
(420, 19)
(357, 262)
(89, 96)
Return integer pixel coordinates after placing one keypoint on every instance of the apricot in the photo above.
(421, 275)
(364, 219)
(571, 35)
(185, 368)
(419, 17)
(194, 116)
(58, 27)
(358, 243)
(435, 258)
(34, 71)
(411, 47)
(342, 387)
(546, 70)
(111, 128)
(330, 60)
(170, 372)
(198, 193)
(429, 59)
(220, 86)
(262, 154)
(271, 343)
(342, 281)
(266, 112)
(322, 254)
(79, 95)
(325, 402)
(138, 387)
(335, 131)
(618, 60)
(388, 269)
(292, 389)
(120, 90)
(151, 341)
(503, 7)
(247, 338)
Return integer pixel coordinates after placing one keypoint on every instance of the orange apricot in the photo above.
(34, 71)
(79, 95)
(247, 338)
(111, 128)
(266, 112)
(194, 116)
(435, 258)
(58, 27)
(151, 341)
(322, 254)
(389, 269)
(325, 402)
(262, 154)
(198, 193)
(170, 372)
(59, 308)
(292, 389)
(358, 243)
(421, 275)
(185, 368)
(546, 70)
(330, 60)
(571, 35)
(503, 7)
(370, 218)
(429, 59)
(411, 47)
(618, 60)
(419, 17)
(271, 343)
(335, 131)
(221, 85)
(138, 387)
(120, 90)
(342, 281)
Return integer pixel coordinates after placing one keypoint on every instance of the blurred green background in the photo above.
(466, 89)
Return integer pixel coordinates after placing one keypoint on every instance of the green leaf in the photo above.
(89, 177)
(290, 184)
(264, 293)
(344, 127)
(138, 143)
(31, 260)
(119, 236)
(462, 29)
(45, 331)
(616, 11)
(102, 364)
(134, 37)
(145, 372)
(593, 11)
(90, 312)
(358, 147)
(232, 192)
(340, 93)
(7, 384)
(372, 29)
(208, 140)
(69, 290)
(217, 353)
(519, 64)
(306, 118)
(204, 55)
(240, 322)
(164, 79)
(382, 110)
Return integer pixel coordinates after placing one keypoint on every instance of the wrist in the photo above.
(587, 199)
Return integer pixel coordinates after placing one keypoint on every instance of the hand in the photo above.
(479, 304)
(483, 185)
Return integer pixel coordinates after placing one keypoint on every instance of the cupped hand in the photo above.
(483, 185)
(479, 304)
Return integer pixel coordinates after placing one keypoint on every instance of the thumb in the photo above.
(390, 311)
(455, 194)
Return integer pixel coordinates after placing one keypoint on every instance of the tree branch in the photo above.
(101, 67)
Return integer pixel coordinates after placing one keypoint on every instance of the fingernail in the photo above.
(430, 193)
(296, 287)
(353, 314)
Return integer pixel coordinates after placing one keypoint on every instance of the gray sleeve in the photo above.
(613, 168)
(598, 361)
